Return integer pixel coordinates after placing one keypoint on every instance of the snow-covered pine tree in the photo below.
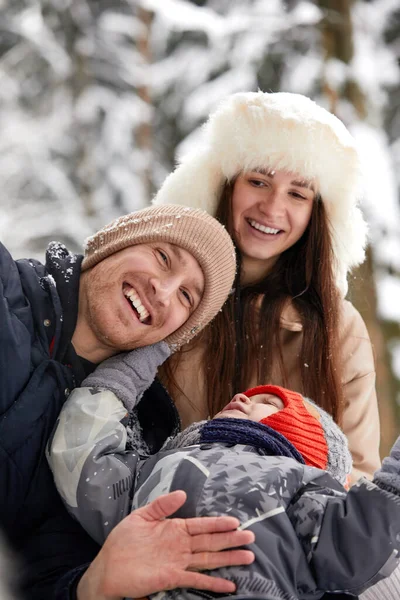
(73, 109)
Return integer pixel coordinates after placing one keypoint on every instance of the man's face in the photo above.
(139, 296)
(255, 408)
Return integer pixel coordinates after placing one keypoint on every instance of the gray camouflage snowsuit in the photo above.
(311, 535)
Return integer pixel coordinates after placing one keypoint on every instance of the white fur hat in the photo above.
(282, 131)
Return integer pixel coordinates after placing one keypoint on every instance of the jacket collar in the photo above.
(65, 269)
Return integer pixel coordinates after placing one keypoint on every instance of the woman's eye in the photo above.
(257, 183)
(299, 196)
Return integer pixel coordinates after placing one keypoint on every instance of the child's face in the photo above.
(255, 408)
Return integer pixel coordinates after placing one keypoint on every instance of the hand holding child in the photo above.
(147, 553)
(129, 374)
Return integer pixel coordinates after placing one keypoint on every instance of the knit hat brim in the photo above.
(192, 229)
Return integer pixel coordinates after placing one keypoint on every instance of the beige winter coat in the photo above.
(360, 420)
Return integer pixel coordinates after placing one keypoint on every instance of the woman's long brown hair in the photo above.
(244, 337)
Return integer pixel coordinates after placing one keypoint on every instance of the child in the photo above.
(255, 460)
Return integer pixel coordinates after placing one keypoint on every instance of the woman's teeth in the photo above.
(136, 303)
(263, 228)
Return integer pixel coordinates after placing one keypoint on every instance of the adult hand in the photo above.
(129, 374)
(146, 553)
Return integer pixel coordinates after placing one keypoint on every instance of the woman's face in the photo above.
(271, 211)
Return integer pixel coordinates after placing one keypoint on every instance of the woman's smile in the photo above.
(266, 229)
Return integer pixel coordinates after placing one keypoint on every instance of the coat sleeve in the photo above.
(92, 468)
(361, 416)
(16, 332)
(351, 540)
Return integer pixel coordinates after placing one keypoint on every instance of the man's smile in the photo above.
(136, 304)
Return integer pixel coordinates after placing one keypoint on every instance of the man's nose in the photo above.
(164, 288)
(241, 398)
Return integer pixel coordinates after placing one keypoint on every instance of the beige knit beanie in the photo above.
(282, 131)
(189, 228)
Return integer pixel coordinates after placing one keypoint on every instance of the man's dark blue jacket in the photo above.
(38, 368)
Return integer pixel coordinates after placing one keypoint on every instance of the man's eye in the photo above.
(187, 296)
(163, 255)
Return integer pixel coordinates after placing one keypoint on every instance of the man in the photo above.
(156, 274)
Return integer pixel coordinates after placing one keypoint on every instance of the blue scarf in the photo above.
(250, 433)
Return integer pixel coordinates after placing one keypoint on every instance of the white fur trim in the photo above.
(282, 131)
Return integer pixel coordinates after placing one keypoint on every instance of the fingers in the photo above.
(204, 561)
(213, 542)
(199, 581)
(162, 507)
(198, 525)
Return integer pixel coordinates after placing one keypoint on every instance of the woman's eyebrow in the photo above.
(262, 171)
(303, 184)
(298, 183)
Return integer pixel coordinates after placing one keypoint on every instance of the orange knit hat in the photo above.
(296, 423)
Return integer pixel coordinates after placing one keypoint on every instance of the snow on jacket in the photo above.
(360, 416)
(311, 536)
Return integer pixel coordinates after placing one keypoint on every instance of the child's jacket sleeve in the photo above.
(92, 469)
(351, 541)
(92, 453)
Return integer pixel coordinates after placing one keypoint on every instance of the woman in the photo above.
(283, 175)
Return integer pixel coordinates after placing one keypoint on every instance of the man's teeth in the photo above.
(134, 298)
(262, 227)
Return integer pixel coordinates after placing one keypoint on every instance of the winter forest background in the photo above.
(99, 97)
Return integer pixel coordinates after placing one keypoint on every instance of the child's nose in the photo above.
(241, 398)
